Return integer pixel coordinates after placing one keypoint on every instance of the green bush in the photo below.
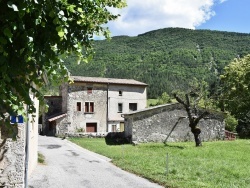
(163, 99)
(243, 128)
(231, 123)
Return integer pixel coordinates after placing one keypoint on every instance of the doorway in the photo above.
(91, 127)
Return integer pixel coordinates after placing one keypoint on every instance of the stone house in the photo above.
(156, 125)
(93, 105)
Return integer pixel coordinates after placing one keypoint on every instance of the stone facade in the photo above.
(154, 125)
(95, 105)
(78, 100)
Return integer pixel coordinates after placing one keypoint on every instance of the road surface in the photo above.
(70, 166)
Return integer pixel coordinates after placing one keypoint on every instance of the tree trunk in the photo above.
(193, 119)
(196, 132)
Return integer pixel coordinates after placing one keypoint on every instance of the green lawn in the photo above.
(216, 164)
(152, 102)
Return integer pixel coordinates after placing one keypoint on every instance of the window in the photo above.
(78, 106)
(119, 107)
(132, 106)
(89, 90)
(120, 93)
(89, 107)
(121, 126)
(113, 128)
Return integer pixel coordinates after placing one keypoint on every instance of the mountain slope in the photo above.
(166, 59)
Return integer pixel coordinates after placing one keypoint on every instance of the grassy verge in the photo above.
(41, 158)
(152, 102)
(215, 164)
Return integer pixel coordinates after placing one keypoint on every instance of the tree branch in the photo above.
(186, 105)
(196, 121)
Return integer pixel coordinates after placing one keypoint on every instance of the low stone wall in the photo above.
(154, 125)
(12, 160)
(86, 135)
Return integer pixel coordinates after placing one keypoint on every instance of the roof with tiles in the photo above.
(107, 80)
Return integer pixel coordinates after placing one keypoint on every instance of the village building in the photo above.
(93, 105)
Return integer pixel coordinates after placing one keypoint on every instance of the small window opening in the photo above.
(78, 106)
(113, 128)
(89, 90)
(132, 106)
(119, 107)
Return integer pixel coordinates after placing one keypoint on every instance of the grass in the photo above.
(152, 102)
(41, 158)
(221, 164)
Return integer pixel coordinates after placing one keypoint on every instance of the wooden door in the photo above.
(91, 127)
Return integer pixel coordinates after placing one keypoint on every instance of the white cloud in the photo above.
(222, 1)
(141, 16)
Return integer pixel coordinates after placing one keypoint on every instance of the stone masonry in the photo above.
(93, 106)
(12, 160)
(154, 125)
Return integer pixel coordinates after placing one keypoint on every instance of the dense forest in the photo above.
(166, 59)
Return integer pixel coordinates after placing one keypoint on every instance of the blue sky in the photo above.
(141, 16)
(232, 15)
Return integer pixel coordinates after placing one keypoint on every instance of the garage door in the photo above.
(91, 127)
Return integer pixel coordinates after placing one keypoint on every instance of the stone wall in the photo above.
(154, 125)
(12, 154)
(61, 127)
(86, 135)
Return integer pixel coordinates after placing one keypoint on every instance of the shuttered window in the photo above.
(89, 107)
(113, 128)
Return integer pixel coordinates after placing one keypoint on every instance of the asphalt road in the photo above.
(70, 166)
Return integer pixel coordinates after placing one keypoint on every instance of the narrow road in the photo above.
(70, 166)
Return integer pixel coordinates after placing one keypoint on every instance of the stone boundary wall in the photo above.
(154, 125)
(86, 135)
(12, 165)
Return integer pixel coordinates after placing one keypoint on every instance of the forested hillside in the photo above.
(165, 59)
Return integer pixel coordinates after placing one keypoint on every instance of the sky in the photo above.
(141, 16)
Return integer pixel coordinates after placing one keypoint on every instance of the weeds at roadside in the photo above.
(41, 158)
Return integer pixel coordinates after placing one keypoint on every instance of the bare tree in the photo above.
(193, 118)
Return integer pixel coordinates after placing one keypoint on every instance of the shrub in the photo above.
(231, 123)
(243, 129)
